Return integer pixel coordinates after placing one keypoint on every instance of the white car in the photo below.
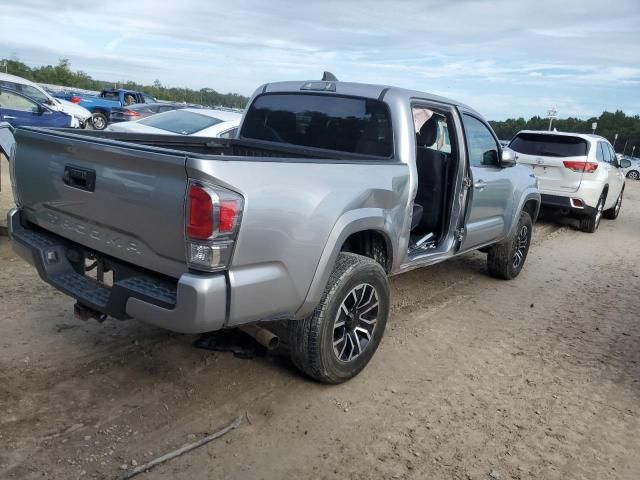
(80, 115)
(577, 173)
(198, 122)
(631, 167)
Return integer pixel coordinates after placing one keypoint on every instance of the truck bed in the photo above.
(298, 204)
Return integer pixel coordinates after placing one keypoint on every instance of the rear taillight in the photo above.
(586, 167)
(75, 99)
(130, 113)
(200, 222)
(212, 220)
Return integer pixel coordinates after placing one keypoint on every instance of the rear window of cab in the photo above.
(547, 145)
(329, 122)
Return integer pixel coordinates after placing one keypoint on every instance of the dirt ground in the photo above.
(475, 379)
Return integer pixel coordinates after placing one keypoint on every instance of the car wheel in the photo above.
(99, 121)
(590, 223)
(613, 213)
(339, 338)
(633, 175)
(506, 259)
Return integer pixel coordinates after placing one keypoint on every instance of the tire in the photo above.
(613, 212)
(506, 259)
(633, 175)
(99, 121)
(329, 345)
(590, 223)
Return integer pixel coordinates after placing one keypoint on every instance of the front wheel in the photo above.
(99, 121)
(506, 259)
(633, 175)
(339, 338)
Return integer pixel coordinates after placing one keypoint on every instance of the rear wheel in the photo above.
(613, 213)
(99, 121)
(590, 223)
(506, 259)
(339, 338)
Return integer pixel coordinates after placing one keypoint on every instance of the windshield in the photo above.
(27, 90)
(331, 122)
(549, 145)
(180, 121)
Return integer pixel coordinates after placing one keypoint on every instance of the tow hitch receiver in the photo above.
(84, 313)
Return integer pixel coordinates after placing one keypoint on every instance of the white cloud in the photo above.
(521, 51)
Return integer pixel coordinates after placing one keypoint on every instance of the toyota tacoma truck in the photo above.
(328, 189)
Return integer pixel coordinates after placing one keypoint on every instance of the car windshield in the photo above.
(331, 122)
(180, 121)
(549, 145)
(28, 90)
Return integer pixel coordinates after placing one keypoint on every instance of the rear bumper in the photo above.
(191, 304)
(566, 203)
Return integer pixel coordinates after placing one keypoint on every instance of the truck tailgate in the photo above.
(126, 201)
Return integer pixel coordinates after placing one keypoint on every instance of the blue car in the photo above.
(19, 110)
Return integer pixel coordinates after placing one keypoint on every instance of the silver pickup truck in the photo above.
(329, 188)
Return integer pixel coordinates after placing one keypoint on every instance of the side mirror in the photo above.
(508, 158)
(624, 163)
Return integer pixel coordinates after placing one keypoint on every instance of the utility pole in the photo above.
(624, 150)
(551, 115)
(633, 150)
(615, 139)
(594, 125)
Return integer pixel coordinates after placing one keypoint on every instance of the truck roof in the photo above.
(366, 90)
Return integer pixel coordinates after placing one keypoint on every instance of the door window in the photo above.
(600, 152)
(12, 101)
(612, 153)
(481, 144)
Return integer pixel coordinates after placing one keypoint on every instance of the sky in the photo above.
(505, 58)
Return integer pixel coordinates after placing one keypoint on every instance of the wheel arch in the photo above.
(529, 202)
(353, 232)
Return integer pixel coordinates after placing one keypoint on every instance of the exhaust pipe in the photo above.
(264, 337)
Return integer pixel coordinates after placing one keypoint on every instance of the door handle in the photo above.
(9, 117)
(480, 184)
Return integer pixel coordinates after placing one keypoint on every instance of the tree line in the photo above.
(62, 75)
(609, 124)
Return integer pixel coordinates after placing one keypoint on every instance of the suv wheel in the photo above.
(613, 213)
(590, 223)
(506, 259)
(339, 338)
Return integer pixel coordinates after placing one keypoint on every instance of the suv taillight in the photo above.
(75, 99)
(586, 167)
(212, 219)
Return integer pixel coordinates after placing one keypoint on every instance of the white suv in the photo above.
(577, 173)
